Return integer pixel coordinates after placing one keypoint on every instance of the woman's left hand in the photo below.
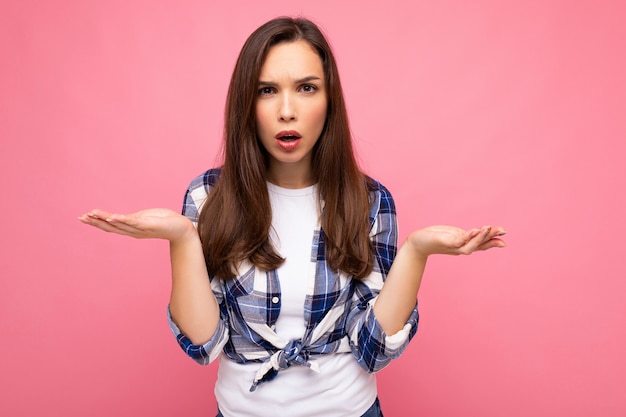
(451, 240)
(154, 223)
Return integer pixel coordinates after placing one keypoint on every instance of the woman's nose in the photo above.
(287, 109)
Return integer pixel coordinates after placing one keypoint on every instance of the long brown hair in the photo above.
(235, 221)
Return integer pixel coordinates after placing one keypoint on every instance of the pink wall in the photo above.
(509, 114)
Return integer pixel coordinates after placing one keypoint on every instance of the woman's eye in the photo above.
(308, 88)
(264, 91)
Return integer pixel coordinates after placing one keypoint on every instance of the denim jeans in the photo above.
(373, 411)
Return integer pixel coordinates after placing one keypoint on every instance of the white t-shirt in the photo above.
(341, 388)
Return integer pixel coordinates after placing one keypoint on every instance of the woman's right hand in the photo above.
(154, 223)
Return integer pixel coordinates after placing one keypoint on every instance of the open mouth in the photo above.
(288, 140)
(288, 136)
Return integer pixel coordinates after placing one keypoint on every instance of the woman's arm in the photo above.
(193, 305)
(396, 300)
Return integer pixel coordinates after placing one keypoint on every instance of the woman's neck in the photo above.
(290, 175)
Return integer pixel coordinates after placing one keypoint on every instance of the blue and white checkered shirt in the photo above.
(338, 309)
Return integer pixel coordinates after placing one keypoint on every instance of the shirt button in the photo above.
(275, 300)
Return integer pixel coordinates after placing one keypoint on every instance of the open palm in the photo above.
(452, 240)
(153, 223)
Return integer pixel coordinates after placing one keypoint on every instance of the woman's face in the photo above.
(291, 110)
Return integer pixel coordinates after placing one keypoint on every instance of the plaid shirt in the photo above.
(338, 309)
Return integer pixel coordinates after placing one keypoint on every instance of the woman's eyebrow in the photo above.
(299, 81)
(307, 79)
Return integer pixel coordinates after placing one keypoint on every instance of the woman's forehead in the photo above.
(296, 60)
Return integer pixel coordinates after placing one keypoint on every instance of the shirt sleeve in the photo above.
(202, 353)
(371, 346)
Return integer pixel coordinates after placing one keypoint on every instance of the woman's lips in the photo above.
(288, 140)
(288, 135)
(288, 145)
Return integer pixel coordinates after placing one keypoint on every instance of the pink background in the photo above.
(508, 113)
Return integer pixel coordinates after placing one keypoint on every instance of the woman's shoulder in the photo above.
(375, 186)
(206, 180)
(380, 197)
(198, 191)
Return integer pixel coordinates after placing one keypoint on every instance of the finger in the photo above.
(470, 234)
(93, 218)
(119, 219)
(102, 224)
(126, 225)
(493, 233)
(99, 214)
(492, 243)
(489, 232)
(479, 239)
(482, 236)
(466, 238)
(126, 221)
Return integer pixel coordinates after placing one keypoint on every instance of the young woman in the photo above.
(284, 261)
